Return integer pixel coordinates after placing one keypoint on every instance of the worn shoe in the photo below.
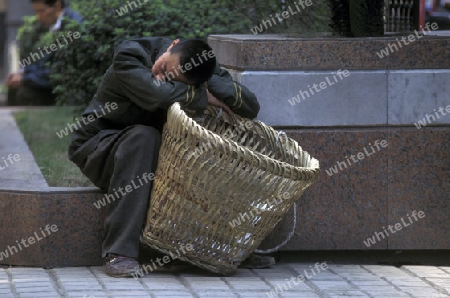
(120, 266)
(255, 261)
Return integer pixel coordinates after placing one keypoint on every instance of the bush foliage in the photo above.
(78, 68)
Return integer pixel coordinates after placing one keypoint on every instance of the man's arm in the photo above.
(132, 71)
(240, 99)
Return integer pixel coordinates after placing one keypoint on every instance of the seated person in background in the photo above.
(146, 76)
(31, 86)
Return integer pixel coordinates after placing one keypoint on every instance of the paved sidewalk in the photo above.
(18, 169)
(187, 281)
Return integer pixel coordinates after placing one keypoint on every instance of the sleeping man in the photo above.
(146, 76)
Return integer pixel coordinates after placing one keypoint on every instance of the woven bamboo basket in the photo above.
(222, 184)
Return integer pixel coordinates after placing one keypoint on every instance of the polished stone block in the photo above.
(419, 179)
(290, 98)
(363, 98)
(414, 94)
(77, 240)
(344, 210)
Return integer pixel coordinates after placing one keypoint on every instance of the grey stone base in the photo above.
(362, 98)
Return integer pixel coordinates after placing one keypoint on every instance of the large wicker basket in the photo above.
(222, 184)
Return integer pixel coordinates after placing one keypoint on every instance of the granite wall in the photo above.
(337, 97)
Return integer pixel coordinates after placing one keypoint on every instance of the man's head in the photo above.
(48, 11)
(189, 61)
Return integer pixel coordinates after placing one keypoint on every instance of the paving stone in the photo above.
(326, 276)
(335, 294)
(172, 294)
(434, 296)
(163, 283)
(441, 274)
(124, 286)
(3, 274)
(86, 294)
(439, 281)
(4, 291)
(389, 295)
(409, 283)
(32, 284)
(72, 270)
(216, 294)
(370, 282)
(25, 270)
(356, 274)
(419, 291)
(81, 286)
(249, 283)
(420, 268)
(207, 285)
(256, 294)
(351, 272)
(376, 288)
(381, 268)
(40, 294)
(34, 289)
(332, 285)
(300, 295)
(133, 294)
(4, 283)
(285, 286)
(76, 279)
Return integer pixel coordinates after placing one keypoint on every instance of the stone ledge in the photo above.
(278, 52)
(80, 226)
(338, 212)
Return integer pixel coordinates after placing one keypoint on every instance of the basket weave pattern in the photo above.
(218, 169)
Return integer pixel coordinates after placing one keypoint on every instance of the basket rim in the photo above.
(176, 110)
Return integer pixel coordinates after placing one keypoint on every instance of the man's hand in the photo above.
(14, 80)
(212, 100)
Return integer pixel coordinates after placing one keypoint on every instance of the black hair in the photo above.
(50, 2)
(199, 55)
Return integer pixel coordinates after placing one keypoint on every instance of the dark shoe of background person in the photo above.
(255, 261)
(120, 266)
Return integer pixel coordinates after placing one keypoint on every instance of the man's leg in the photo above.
(133, 158)
(12, 97)
(27, 96)
(118, 164)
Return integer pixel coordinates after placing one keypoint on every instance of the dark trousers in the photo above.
(112, 160)
(27, 96)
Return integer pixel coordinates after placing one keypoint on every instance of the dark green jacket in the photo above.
(130, 84)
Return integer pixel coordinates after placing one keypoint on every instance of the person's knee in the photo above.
(139, 141)
(145, 135)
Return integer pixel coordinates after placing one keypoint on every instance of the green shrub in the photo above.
(32, 36)
(78, 68)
